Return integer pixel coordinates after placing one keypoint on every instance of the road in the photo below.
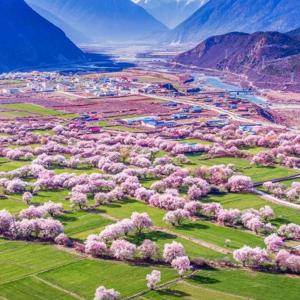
(232, 115)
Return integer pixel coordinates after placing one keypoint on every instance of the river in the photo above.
(218, 83)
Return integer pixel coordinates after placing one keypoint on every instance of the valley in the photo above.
(149, 149)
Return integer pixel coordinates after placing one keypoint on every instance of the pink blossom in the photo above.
(266, 212)
(6, 219)
(148, 249)
(274, 243)
(288, 262)
(251, 257)
(181, 264)
(78, 199)
(27, 197)
(172, 251)
(95, 248)
(122, 249)
(153, 279)
(33, 212)
(263, 159)
(141, 221)
(290, 231)
(240, 183)
(194, 193)
(192, 207)
(143, 194)
(53, 209)
(228, 216)
(63, 240)
(176, 217)
(210, 209)
(106, 294)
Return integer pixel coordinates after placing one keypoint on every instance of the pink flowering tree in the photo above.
(27, 197)
(106, 294)
(95, 248)
(229, 217)
(263, 159)
(172, 251)
(288, 262)
(176, 217)
(240, 183)
(181, 264)
(274, 243)
(290, 231)
(122, 249)
(63, 240)
(6, 220)
(153, 279)
(140, 221)
(148, 249)
(78, 200)
(251, 257)
(266, 213)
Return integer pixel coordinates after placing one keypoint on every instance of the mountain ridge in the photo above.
(30, 40)
(223, 16)
(266, 58)
(103, 21)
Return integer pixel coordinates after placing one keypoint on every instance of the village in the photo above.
(141, 101)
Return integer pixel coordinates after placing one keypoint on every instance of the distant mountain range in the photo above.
(171, 12)
(295, 33)
(223, 16)
(100, 21)
(27, 39)
(268, 59)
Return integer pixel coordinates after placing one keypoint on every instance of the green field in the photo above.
(243, 166)
(35, 271)
(243, 201)
(231, 284)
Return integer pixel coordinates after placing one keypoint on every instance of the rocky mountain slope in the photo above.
(268, 59)
(30, 40)
(223, 16)
(171, 12)
(101, 21)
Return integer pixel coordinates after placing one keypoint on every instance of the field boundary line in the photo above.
(221, 292)
(58, 287)
(40, 272)
(166, 284)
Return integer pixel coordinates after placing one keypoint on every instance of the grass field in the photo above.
(243, 166)
(283, 214)
(31, 108)
(41, 271)
(231, 285)
(35, 271)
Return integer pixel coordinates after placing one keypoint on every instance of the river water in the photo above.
(218, 83)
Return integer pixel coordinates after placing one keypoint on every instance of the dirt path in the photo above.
(273, 199)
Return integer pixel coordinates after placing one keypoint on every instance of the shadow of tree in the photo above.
(204, 280)
(152, 235)
(192, 226)
(172, 293)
